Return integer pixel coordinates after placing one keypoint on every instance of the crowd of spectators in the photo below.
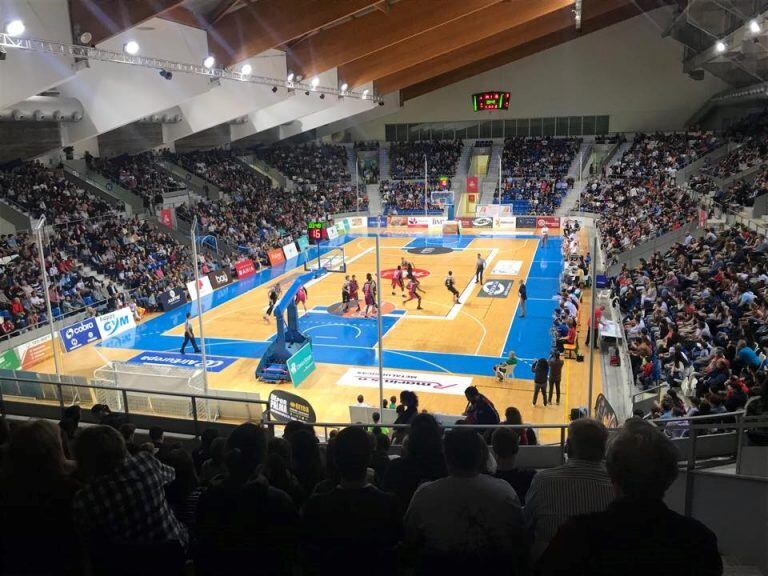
(751, 136)
(369, 169)
(538, 157)
(139, 174)
(653, 155)
(406, 159)
(532, 195)
(405, 197)
(453, 503)
(309, 163)
(219, 167)
(695, 318)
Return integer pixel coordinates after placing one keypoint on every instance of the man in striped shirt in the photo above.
(580, 486)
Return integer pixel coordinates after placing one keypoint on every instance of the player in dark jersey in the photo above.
(274, 294)
(450, 283)
(345, 294)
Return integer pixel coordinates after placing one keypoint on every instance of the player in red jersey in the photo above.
(397, 280)
(353, 290)
(413, 286)
(369, 291)
(301, 298)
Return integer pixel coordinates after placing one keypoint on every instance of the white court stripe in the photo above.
(468, 290)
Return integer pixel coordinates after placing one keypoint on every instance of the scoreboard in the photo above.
(490, 101)
(316, 231)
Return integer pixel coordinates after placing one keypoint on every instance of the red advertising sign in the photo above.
(548, 221)
(467, 221)
(418, 272)
(166, 217)
(245, 268)
(702, 218)
(276, 256)
(472, 186)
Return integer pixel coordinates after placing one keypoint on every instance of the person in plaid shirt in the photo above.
(124, 498)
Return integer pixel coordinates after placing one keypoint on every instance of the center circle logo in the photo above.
(418, 272)
(493, 287)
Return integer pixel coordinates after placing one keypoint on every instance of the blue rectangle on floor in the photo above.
(214, 363)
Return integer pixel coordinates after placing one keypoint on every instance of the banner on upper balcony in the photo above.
(166, 217)
(472, 185)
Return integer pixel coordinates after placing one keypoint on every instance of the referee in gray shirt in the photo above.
(580, 486)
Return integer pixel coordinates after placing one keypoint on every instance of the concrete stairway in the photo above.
(618, 154)
(77, 171)
(17, 218)
(351, 159)
(383, 161)
(571, 199)
(197, 186)
(462, 164)
(374, 198)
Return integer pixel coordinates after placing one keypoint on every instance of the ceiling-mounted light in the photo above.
(209, 62)
(290, 77)
(15, 28)
(131, 47)
(754, 26)
(365, 93)
(322, 96)
(299, 77)
(344, 87)
(315, 82)
(246, 70)
(720, 47)
(274, 89)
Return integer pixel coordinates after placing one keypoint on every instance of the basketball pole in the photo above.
(357, 186)
(39, 233)
(592, 333)
(426, 184)
(193, 236)
(378, 315)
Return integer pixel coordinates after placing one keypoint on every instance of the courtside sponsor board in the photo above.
(377, 221)
(303, 242)
(245, 268)
(284, 407)
(548, 221)
(116, 322)
(301, 364)
(290, 251)
(482, 222)
(332, 232)
(398, 220)
(219, 278)
(505, 222)
(467, 221)
(79, 334)
(172, 298)
(276, 256)
(425, 221)
(495, 289)
(203, 287)
(34, 351)
(356, 222)
(526, 222)
(507, 267)
(9, 360)
(213, 363)
(403, 380)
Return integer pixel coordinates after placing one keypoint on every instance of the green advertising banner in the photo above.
(303, 242)
(301, 364)
(345, 223)
(9, 360)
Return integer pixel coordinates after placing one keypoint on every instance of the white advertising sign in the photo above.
(116, 322)
(404, 380)
(290, 251)
(204, 285)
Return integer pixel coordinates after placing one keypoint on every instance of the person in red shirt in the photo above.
(17, 309)
(596, 332)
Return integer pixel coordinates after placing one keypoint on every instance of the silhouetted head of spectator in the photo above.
(382, 443)
(586, 440)
(352, 454)
(156, 434)
(246, 448)
(506, 445)
(73, 413)
(207, 437)
(36, 455)
(100, 411)
(641, 461)
(99, 450)
(512, 416)
(409, 400)
(464, 453)
(186, 477)
(68, 427)
(471, 393)
(127, 431)
(425, 438)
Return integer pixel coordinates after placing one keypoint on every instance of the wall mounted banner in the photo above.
(172, 298)
(290, 251)
(34, 351)
(303, 242)
(284, 407)
(472, 185)
(244, 268)
(204, 287)
(276, 256)
(332, 232)
(9, 360)
(548, 221)
(357, 221)
(166, 217)
(377, 221)
(117, 322)
(219, 278)
(213, 363)
(79, 334)
(398, 220)
(526, 222)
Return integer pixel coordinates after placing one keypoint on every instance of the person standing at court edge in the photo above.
(523, 292)
(479, 268)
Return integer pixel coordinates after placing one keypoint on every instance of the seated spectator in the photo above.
(526, 436)
(407, 159)
(538, 157)
(467, 522)
(637, 533)
(505, 448)
(355, 520)
(183, 492)
(579, 486)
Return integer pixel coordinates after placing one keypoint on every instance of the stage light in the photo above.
(720, 47)
(131, 47)
(165, 74)
(290, 77)
(15, 28)
(209, 62)
(299, 77)
(754, 27)
(306, 93)
(274, 88)
(365, 93)
(322, 96)
(315, 82)
(246, 70)
(344, 87)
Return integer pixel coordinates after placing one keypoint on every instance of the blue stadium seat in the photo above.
(88, 300)
(56, 311)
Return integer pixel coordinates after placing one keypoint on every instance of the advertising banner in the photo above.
(34, 351)
(405, 380)
(290, 251)
(332, 232)
(505, 221)
(397, 220)
(548, 221)
(219, 278)
(356, 222)
(526, 222)
(79, 334)
(702, 218)
(213, 363)
(340, 229)
(425, 221)
(244, 268)
(276, 256)
(301, 364)
(172, 298)
(9, 360)
(303, 242)
(483, 222)
(472, 184)
(117, 322)
(605, 413)
(466, 221)
(204, 286)
(284, 407)
(377, 221)
(166, 217)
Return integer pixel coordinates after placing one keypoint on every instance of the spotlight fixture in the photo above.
(290, 77)
(306, 93)
(209, 62)
(165, 74)
(299, 77)
(131, 47)
(720, 47)
(85, 38)
(344, 87)
(754, 26)
(274, 88)
(246, 70)
(322, 96)
(365, 94)
(15, 28)
(381, 102)
(3, 53)
(315, 82)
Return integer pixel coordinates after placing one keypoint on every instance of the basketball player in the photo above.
(450, 283)
(369, 291)
(412, 294)
(353, 289)
(301, 298)
(345, 294)
(544, 235)
(397, 280)
(273, 295)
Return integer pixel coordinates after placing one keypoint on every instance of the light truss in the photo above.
(79, 52)
(577, 14)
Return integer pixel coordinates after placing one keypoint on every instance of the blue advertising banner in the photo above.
(303, 242)
(78, 335)
(215, 363)
(526, 222)
(377, 221)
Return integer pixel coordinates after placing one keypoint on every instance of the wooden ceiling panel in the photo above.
(107, 18)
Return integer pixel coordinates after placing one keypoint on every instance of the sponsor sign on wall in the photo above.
(172, 298)
(548, 221)
(495, 289)
(483, 222)
(203, 286)
(467, 221)
(276, 256)
(332, 232)
(290, 251)
(213, 363)
(117, 322)
(425, 221)
(284, 407)
(404, 380)
(79, 334)
(505, 221)
(398, 220)
(526, 222)
(34, 351)
(301, 364)
(219, 278)
(377, 221)
(303, 242)
(507, 267)
(494, 210)
(244, 268)
(472, 185)
(166, 217)
(358, 221)
(9, 360)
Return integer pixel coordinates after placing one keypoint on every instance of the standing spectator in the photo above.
(468, 522)
(522, 291)
(637, 534)
(355, 520)
(540, 373)
(555, 374)
(157, 437)
(505, 448)
(577, 487)
(480, 410)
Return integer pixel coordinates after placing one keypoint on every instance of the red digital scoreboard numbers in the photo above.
(316, 231)
(490, 101)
